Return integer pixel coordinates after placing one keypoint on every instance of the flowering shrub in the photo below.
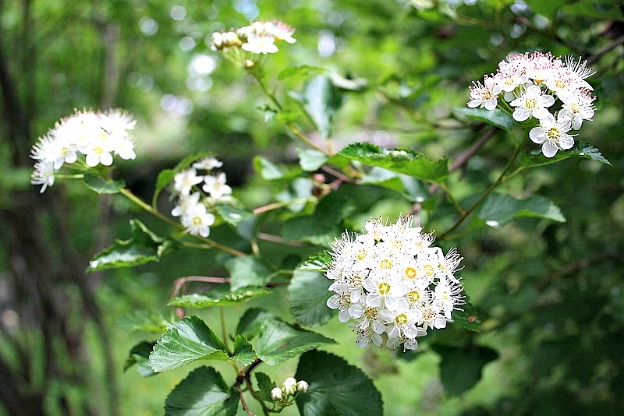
(389, 283)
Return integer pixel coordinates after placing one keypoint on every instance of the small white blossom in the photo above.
(385, 283)
(486, 95)
(197, 220)
(290, 385)
(276, 394)
(216, 185)
(532, 102)
(185, 180)
(84, 138)
(552, 135)
(208, 163)
(302, 386)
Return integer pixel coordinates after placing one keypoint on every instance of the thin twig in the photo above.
(607, 48)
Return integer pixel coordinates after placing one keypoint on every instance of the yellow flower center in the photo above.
(383, 288)
(401, 319)
(560, 84)
(385, 264)
(410, 272)
(531, 103)
(413, 296)
(361, 255)
(553, 133)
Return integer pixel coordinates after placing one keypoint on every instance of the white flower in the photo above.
(532, 103)
(89, 137)
(485, 95)
(553, 135)
(384, 279)
(264, 43)
(578, 107)
(185, 180)
(282, 31)
(208, 163)
(197, 220)
(216, 185)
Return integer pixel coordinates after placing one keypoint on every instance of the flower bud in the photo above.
(276, 394)
(290, 385)
(302, 386)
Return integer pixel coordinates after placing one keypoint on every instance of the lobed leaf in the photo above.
(184, 342)
(250, 324)
(247, 271)
(307, 294)
(243, 351)
(402, 161)
(580, 149)
(202, 393)
(150, 320)
(335, 387)
(144, 246)
(279, 342)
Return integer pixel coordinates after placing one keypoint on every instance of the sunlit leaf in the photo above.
(321, 100)
(236, 297)
(310, 159)
(335, 387)
(403, 161)
(318, 262)
(243, 351)
(496, 117)
(151, 320)
(184, 342)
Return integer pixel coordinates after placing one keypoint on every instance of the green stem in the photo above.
(501, 178)
(291, 126)
(146, 207)
(456, 204)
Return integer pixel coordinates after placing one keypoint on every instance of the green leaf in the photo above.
(139, 356)
(236, 297)
(267, 169)
(144, 246)
(402, 161)
(243, 351)
(310, 159)
(307, 294)
(499, 209)
(247, 271)
(321, 100)
(461, 368)
(412, 188)
(318, 262)
(546, 8)
(202, 393)
(580, 149)
(103, 185)
(233, 215)
(467, 317)
(594, 10)
(250, 324)
(300, 189)
(310, 229)
(335, 388)
(279, 342)
(184, 342)
(298, 70)
(496, 117)
(150, 320)
(265, 385)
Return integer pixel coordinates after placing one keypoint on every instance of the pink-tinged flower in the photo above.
(553, 135)
(486, 95)
(263, 44)
(533, 102)
(578, 107)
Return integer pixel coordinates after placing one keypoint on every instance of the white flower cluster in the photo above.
(87, 138)
(288, 390)
(192, 205)
(391, 285)
(531, 85)
(257, 38)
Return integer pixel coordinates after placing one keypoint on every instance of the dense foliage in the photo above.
(273, 194)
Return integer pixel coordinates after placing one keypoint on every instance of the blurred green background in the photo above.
(550, 295)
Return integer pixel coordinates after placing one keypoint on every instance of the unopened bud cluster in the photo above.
(290, 388)
(243, 45)
(391, 286)
(196, 190)
(85, 139)
(542, 87)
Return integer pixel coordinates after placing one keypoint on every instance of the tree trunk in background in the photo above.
(45, 301)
